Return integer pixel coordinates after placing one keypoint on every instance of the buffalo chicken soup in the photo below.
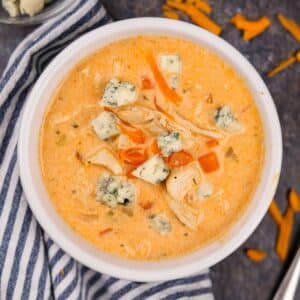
(151, 148)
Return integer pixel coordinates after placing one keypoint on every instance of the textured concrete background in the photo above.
(236, 277)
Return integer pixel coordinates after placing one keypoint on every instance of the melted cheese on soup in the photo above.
(151, 148)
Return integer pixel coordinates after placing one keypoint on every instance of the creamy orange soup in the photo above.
(151, 148)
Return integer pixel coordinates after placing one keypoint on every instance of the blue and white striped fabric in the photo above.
(32, 266)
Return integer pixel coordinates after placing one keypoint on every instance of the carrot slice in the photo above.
(171, 14)
(291, 26)
(136, 135)
(154, 149)
(275, 213)
(256, 255)
(146, 83)
(251, 28)
(209, 162)
(163, 85)
(179, 159)
(196, 16)
(282, 65)
(133, 156)
(284, 236)
(212, 143)
(294, 200)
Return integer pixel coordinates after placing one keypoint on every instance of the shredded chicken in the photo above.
(181, 186)
(63, 118)
(104, 157)
(138, 114)
(181, 121)
(157, 122)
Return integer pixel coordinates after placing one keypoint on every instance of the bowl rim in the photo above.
(167, 269)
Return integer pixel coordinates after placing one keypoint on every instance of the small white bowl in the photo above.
(38, 198)
(51, 10)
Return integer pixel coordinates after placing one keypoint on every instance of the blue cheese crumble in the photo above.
(160, 223)
(169, 143)
(105, 125)
(113, 191)
(118, 93)
(225, 119)
(170, 63)
(154, 170)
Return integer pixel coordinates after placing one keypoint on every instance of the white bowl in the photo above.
(36, 193)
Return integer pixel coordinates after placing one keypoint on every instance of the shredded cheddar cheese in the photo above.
(291, 26)
(275, 213)
(201, 5)
(251, 28)
(282, 65)
(284, 236)
(256, 255)
(196, 16)
(298, 56)
(171, 14)
(294, 200)
(285, 223)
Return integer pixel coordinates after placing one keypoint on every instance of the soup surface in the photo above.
(151, 147)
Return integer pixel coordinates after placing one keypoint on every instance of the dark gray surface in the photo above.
(236, 277)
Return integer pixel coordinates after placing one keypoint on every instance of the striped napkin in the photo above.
(32, 266)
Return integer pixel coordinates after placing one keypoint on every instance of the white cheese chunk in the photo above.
(105, 125)
(160, 223)
(12, 7)
(169, 143)
(170, 63)
(105, 158)
(118, 93)
(113, 190)
(154, 170)
(31, 7)
(225, 119)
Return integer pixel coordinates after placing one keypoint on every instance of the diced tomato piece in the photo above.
(133, 156)
(179, 159)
